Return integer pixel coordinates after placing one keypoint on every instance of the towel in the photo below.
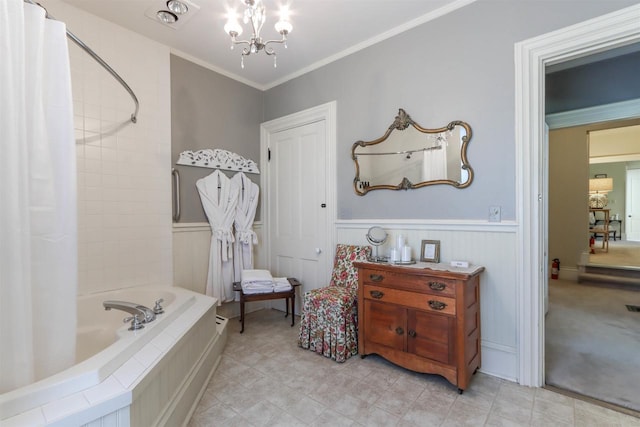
(257, 289)
(281, 284)
(257, 277)
(256, 282)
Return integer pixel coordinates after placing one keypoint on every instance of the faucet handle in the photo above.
(136, 323)
(158, 309)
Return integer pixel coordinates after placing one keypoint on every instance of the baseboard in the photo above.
(568, 273)
(499, 361)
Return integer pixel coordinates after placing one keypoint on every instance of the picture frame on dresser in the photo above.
(430, 251)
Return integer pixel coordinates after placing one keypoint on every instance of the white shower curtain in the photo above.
(38, 219)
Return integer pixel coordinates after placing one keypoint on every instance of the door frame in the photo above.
(326, 112)
(602, 33)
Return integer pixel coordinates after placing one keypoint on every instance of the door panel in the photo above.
(296, 191)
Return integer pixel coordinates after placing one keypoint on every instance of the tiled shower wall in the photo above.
(124, 179)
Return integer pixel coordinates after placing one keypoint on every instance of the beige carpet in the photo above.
(593, 342)
(621, 253)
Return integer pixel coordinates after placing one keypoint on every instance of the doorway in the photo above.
(590, 337)
(299, 209)
(531, 56)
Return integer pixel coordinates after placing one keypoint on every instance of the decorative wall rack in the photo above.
(217, 159)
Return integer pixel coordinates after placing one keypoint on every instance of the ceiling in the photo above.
(323, 31)
(614, 145)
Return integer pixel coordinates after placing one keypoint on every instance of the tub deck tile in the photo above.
(129, 372)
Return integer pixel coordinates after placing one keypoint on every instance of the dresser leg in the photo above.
(460, 391)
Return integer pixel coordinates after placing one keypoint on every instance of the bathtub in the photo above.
(151, 376)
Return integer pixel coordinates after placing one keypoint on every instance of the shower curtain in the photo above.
(38, 225)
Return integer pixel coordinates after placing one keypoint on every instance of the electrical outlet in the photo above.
(494, 213)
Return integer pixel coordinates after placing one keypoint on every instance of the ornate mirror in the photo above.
(410, 156)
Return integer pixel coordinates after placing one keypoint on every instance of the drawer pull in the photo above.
(376, 294)
(437, 305)
(412, 333)
(399, 330)
(437, 286)
(376, 277)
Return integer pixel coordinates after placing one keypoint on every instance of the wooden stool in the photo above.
(288, 295)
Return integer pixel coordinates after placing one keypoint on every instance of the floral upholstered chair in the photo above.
(330, 315)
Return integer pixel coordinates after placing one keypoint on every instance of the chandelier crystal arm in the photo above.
(282, 40)
(256, 14)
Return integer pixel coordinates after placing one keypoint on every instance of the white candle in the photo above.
(394, 254)
(406, 254)
(400, 242)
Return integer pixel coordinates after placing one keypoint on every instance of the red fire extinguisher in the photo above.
(555, 268)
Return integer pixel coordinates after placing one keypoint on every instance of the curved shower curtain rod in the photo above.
(76, 40)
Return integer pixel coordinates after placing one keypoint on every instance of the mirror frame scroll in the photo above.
(402, 122)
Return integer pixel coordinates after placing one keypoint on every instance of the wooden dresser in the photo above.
(422, 319)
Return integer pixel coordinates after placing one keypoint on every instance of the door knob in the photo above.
(318, 251)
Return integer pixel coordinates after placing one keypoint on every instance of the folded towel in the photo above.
(281, 284)
(263, 290)
(257, 276)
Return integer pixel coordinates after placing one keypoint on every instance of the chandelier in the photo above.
(255, 13)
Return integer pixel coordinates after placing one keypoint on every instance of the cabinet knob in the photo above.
(399, 330)
(437, 305)
(412, 333)
(376, 277)
(437, 286)
(376, 294)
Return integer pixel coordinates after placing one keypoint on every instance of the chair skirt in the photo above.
(329, 323)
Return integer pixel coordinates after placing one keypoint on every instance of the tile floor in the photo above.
(265, 379)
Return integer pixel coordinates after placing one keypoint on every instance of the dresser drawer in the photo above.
(427, 302)
(431, 284)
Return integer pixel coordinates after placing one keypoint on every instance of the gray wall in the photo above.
(209, 110)
(458, 67)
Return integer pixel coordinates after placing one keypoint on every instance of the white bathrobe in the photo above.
(219, 199)
(245, 213)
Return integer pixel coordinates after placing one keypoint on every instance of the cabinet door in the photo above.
(385, 324)
(431, 336)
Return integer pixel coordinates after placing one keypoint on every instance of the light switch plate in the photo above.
(495, 213)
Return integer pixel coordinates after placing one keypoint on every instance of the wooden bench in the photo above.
(287, 295)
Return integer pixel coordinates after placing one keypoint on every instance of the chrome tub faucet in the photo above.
(139, 313)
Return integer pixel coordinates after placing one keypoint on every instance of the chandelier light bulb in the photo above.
(283, 27)
(233, 27)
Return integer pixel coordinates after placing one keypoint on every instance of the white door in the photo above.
(297, 205)
(632, 226)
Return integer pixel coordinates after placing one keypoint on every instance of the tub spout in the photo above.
(130, 307)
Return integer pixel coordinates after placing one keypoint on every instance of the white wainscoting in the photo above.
(191, 243)
(492, 245)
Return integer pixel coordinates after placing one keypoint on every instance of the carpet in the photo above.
(621, 253)
(593, 342)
